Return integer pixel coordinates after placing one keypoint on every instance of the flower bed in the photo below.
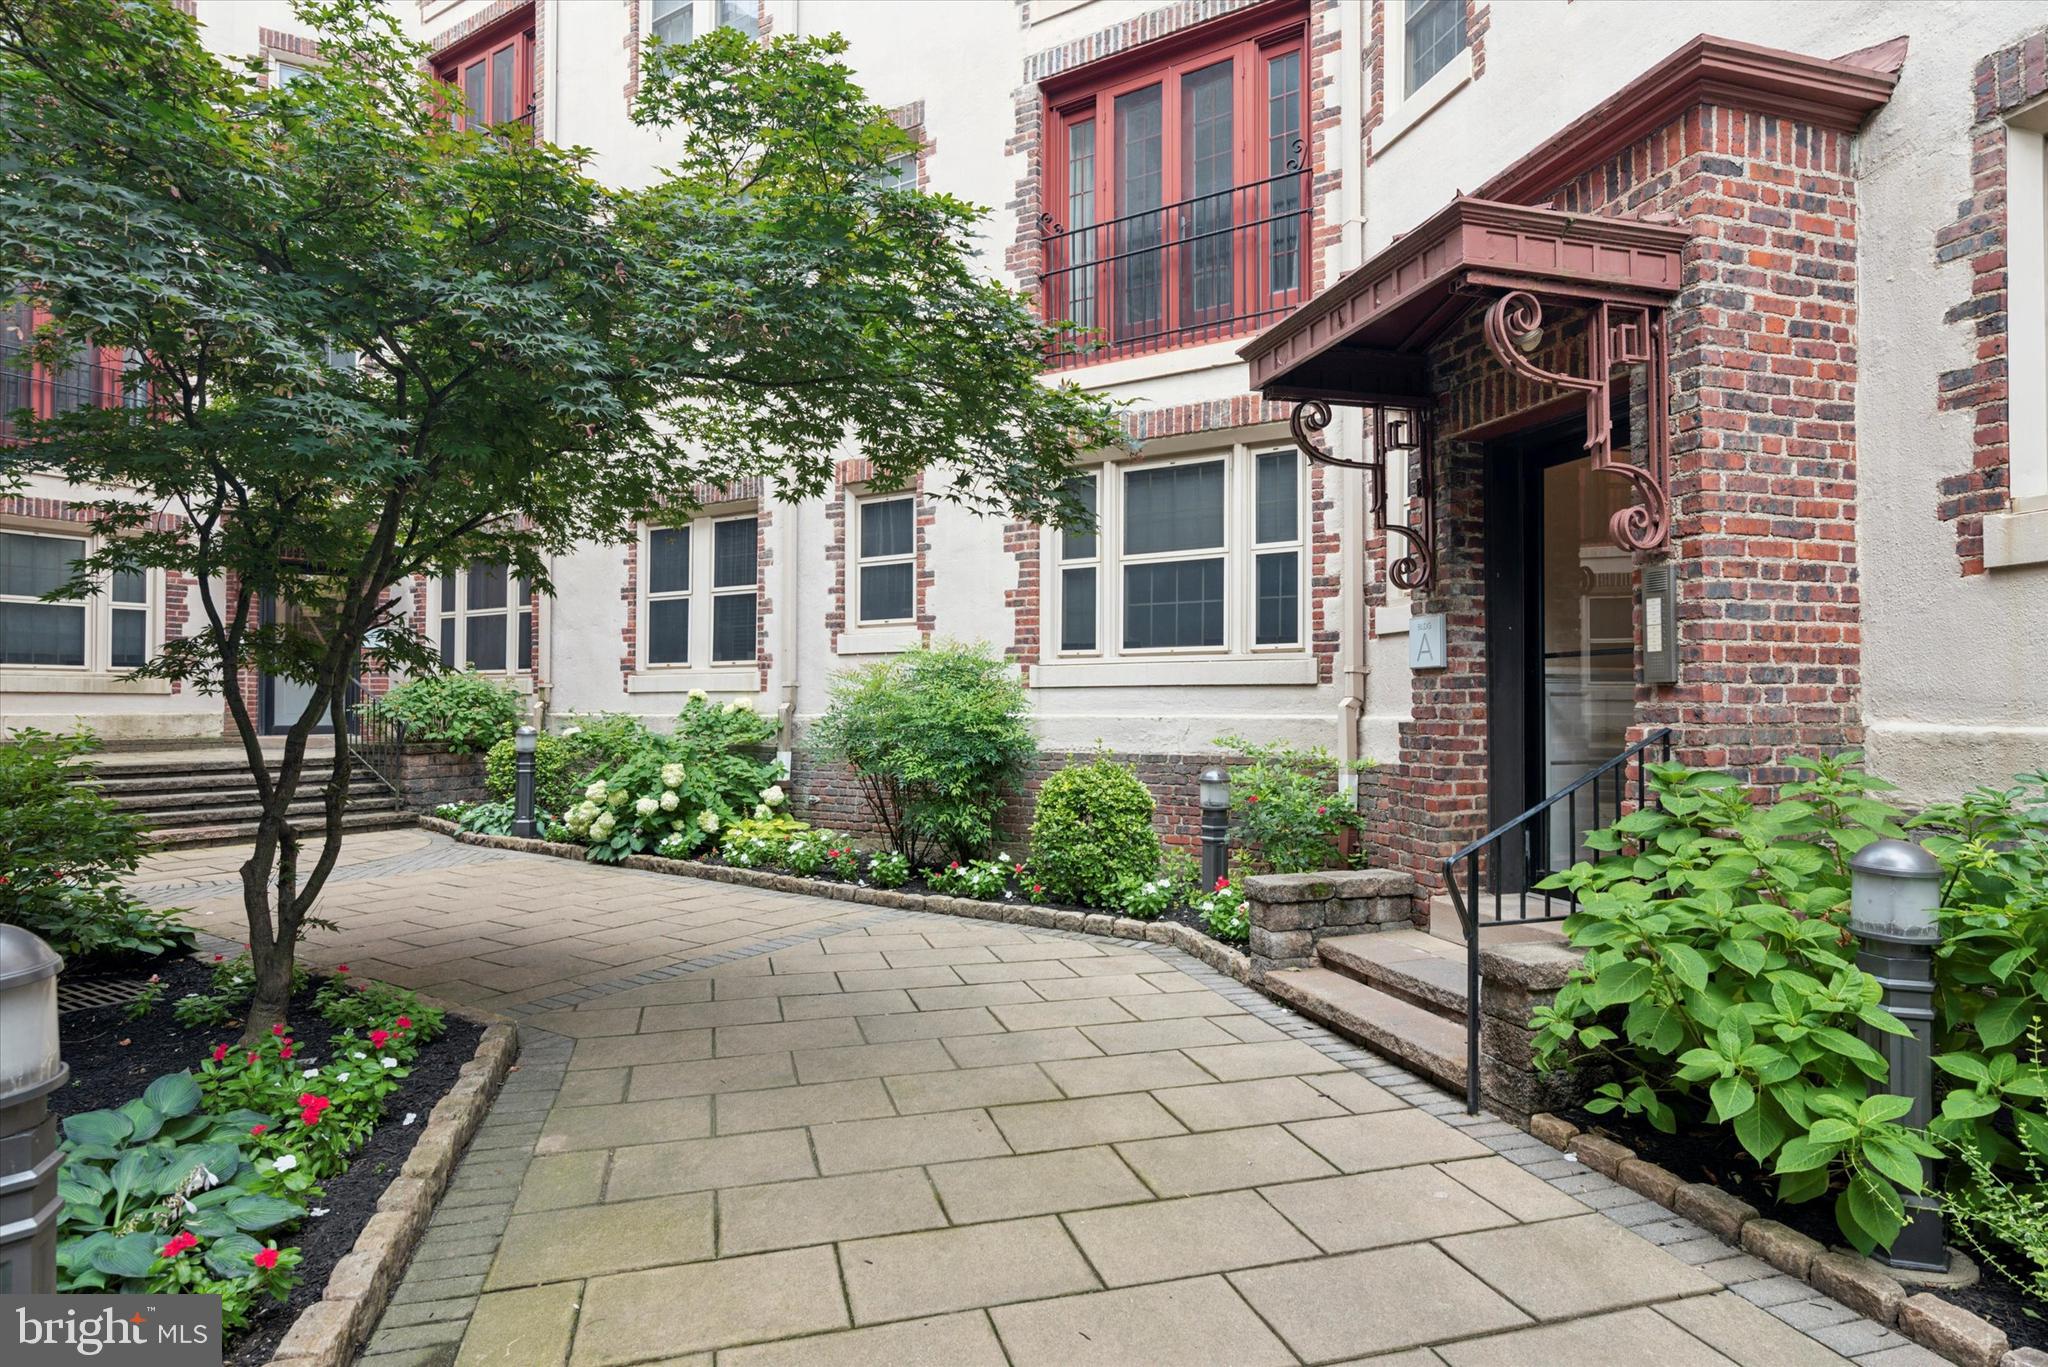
(243, 1176)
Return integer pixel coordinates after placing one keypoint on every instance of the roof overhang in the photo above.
(1361, 340)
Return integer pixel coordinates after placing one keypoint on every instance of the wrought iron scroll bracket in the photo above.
(1618, 334)
(1413, 431)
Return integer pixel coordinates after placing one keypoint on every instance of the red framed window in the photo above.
(494, 72)
(91, 378)
(1177, 190)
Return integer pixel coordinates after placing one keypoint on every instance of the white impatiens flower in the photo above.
(410, 1116)
(669, 802)
(595, 792)
(341, 1077)
(388, 1061)
(358, 1054)
(772, 795)
(285, 1162)
(672, 775)
(647, 806)
(708, 822)
(310, 1072)
(572, 731)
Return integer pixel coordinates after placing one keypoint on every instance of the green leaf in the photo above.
(233, 1256)
(1622, 982)
(1894, 1161)
(2004, 1020)
(127, 1256)
(2032, 1130)
(1831, 1132)
(1760, 1131)
(262, 1212)
(1747, 955)
(209, 1222)
(173, 1095)
(1882, 1106)
(1732, 1096)
(143, 1118)
(1801, 1154)
(1874, 1212)
(1687, 964)
(109, 1128)
(1654, 1026)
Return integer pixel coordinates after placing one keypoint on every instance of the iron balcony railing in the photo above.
(1492, 880)
(1206, 268)
(47, 391)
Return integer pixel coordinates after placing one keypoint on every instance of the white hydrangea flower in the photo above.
(760, 814)
(772, 795)
(603, 826)
(743, 705)
(572, 731)
(669, 802)
(708, 822)
(595, 792)
(647, 806)
(698, 695)
(672, 775)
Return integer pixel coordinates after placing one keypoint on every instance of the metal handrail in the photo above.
(1533, 826)
(376, 739)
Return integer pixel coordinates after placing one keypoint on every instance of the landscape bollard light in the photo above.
(1215, 827)
(30, 1069)
(523, 741)
(1894, 901)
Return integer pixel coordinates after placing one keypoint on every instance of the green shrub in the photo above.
(560, 772)
(935, 736)
(63, 849)
(758, 842)
(1092, 833)
(459, 708)
(1719, 982)
(1286, 813)
(677, 793)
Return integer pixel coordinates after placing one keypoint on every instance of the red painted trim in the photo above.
(1258, 24)
(1708, 70)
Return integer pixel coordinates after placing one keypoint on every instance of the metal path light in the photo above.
(523, 742)
(1215, 827)
(1894, 906)
(30, 1069)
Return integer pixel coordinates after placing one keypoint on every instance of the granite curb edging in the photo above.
(327, 1332)
(1225, 959)
(1864, 1285)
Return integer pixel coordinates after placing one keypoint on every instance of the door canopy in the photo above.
(1362, 343)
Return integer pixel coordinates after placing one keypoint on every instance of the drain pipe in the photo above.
(1353, 644)
(785, 636)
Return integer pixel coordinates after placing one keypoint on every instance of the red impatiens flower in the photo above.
(218, 957)
(252, 1056)
(258, 1129)
(1222, 883)
(277, 1029)
(266, 1259)
(377, 1038)
(313, 1101)
(285, 1052)
(178, 1244)
(220, 1051)
(1253, 798)
(1038, 887)
(403, 1023)
(1322, 811)
(341, 968)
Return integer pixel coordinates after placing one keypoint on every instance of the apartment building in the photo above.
(1513, 382)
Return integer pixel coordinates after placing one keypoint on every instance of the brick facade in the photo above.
(2003, 81)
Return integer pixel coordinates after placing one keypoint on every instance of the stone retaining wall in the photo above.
(426, 775)
(1291, 911)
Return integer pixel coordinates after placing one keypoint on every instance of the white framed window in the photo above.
(110, 632)
(483, 619)
(700, 597)
(1432, 34)
(1200, 555)
(285, 72)
(885, 554)
(1428, 58)
(2018, 534)
(679, 21)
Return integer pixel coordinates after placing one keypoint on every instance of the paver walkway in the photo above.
(817, 1133)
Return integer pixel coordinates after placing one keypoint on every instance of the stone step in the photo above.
(163, 819)
(234, 833)
(1512, 929)
(119, 783)
(1410, 964)
(192, 799)
(1388, 1025)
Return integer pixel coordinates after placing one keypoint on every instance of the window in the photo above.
(1205, 555)
(109, 631)
(287, 72)
(714, 558)
(1179, 194)
(494, 72)
(744, 15)
(89, 379)
(886, 580)
(1432, 32)
(898, 172)
(673, 21)
(485, 619)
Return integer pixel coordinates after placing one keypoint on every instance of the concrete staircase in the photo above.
(187, 798)
(1401, 992)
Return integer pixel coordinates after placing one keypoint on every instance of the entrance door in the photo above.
(1561, 635)
(281, 702)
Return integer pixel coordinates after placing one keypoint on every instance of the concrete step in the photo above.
(1389, 1025)
(1410, 964)
(163, 819)
(234, 833)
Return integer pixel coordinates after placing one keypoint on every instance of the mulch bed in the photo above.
(1712, 1156)
(1186, 916)
(113, 1058)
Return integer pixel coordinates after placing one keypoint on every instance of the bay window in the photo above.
(484, 619)
(494, 72)
(701, 596)
(1198, 555)
(1176, 193)
(107, 632)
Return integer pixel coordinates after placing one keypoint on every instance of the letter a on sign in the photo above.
(1426, 641)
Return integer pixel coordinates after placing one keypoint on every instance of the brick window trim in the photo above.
(705, 501)
(279, 46)
(1992, 524)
